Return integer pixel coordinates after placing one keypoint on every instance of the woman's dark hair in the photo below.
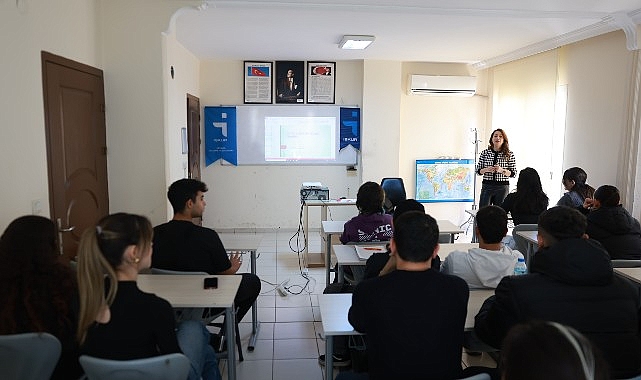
(35, 288)
(369, 198)
(580, 177)
(505, 147)
(548, 350)
(529, 197)
(608, 195)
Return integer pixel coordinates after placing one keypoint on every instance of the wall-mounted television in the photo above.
(444, 180)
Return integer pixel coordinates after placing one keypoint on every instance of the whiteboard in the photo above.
(320, 147)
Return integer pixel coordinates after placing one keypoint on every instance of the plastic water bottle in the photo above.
(520, 267)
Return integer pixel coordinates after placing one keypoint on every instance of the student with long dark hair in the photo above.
(575, 182)
(37, 292)
(117, 320)
(528, 201)
(497, 165)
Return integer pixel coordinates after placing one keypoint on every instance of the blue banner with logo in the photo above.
(220, 135)
(350, 127)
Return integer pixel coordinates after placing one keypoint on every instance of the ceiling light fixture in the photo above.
(356, 42)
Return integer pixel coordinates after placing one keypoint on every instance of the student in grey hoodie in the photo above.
(485, 266)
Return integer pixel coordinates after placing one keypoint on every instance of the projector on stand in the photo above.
(313, 191)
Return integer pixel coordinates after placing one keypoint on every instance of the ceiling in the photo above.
(478, 32)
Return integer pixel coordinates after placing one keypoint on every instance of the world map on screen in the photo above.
(444, 180)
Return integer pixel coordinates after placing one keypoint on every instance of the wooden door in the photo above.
(193, 136)
(74, 105)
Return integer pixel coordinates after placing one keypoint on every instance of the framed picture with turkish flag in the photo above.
(258, 82)
(290, 82)
(321, 82)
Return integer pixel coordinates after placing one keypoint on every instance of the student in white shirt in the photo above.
(485, 266)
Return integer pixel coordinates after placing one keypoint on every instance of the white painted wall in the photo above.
(186, 81)
(136, 119)
(63, 27)
(599, 72)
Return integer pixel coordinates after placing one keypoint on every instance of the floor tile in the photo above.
(265, 314)
(266, 301)
(265, 330)
(294, 330)
(294, 314)
(307, 369)
(264, 350)
(295, 349)
(252, 370)
(300, 300)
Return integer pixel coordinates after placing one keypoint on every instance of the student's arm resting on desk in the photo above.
(497, 315)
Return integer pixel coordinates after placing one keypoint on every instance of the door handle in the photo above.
(60, 231)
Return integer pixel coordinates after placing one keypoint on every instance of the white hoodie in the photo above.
(481, 268)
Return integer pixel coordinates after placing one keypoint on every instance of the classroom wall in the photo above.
(186, 80)
(135, 95)
(260, 197)
(438, 127)
(63, 27)
(599, 74)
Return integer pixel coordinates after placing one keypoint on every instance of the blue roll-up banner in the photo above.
(350, 127)
(220, 135)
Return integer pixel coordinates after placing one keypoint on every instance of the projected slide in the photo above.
(300, 138)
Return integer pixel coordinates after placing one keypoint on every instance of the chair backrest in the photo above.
(621, 263)
(394, 192)
(164, 367)
(520, 242)
(29, 356)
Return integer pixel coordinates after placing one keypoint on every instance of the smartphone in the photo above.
(211, 283)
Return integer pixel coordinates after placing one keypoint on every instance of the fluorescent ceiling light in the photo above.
(356, 42)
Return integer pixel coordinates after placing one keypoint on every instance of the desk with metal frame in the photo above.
(246, 243)
(323, 215)
(346, 254)
(633, 274)
(334, 309)
(188, 291)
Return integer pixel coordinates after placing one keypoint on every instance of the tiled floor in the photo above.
(289, 340)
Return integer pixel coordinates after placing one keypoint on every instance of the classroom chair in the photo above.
(164, 367)
(29, 356)
(621, 263)
(394, 193)
(521, 243)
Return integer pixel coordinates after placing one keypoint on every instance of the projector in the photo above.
(313, 191)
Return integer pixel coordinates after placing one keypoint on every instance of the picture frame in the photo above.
(258, 82)
(321, 82)
(290, 82)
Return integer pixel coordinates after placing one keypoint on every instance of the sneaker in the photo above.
(339, 360)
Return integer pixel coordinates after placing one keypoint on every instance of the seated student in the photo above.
(37, 292)
(370, 225)
(382, 263)
(540, 350)
(485, 266)
(528, 201)
(611, 225)
(183, 246)
(117, 320)
(413, 317)
(570, 282)
(574, 181)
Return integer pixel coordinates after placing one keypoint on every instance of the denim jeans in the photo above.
(193, 339)
(493, 194)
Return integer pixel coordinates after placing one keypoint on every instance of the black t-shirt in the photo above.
(184, 246)
(142, 325)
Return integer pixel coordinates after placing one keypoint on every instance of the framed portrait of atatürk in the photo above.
(290, 82)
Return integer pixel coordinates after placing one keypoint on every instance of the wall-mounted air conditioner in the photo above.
(441, 85)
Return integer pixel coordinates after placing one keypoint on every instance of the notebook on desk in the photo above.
(365, 251)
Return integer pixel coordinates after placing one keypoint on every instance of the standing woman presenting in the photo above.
(497, 165)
